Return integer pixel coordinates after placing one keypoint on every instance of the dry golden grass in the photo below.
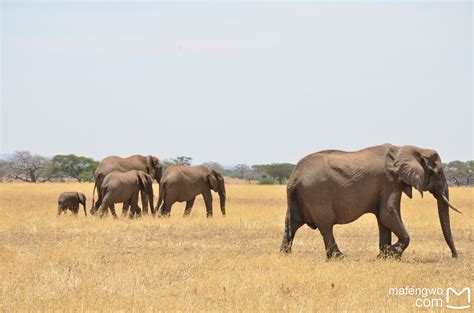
(194, 264)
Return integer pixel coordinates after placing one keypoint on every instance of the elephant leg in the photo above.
(99, 199)
(189, 206)
(112, 210)
(135, 209)
(208, 201)
(385, 239)
(102, 210)
(75, 209)
(128, 208)
(165, 209)
(105, 204)
(291, 226)
(391, 219)
(332, 250)
(125, 208)
(145, 202)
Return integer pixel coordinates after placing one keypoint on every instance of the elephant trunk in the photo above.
(158, 174)
(150, 199)
(84, 207)
(443, 212)
(222, 201)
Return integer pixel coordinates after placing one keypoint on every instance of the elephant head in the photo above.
(145, 183)
(155, 169)
(82, 200)
(217, 184)
(422, 169)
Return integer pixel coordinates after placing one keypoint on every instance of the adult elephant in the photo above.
(149, 164)
(336, 187)
(181, 183)
(123, 188)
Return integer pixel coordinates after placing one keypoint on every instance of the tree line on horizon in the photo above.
(28, 167)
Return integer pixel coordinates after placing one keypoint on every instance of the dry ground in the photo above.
(83, 264)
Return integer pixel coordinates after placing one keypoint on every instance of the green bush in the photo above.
(268, 181)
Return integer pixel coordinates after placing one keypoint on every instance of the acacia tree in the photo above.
(279, 171)
(242, 169)
(27, 167)
(185, 160)
(79, 167)
(214, 165)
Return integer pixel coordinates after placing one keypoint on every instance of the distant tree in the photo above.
(4, 169)
(460, 173)
(166, 163)
(252, 175)
(242, 169)
(28, 167)
(185, 160)
(278, 171)
(214, 165)
(259, 171)
(79, 167)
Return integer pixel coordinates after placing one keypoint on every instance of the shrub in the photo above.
(267, 181)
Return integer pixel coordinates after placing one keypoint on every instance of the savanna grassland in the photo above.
(226, 264)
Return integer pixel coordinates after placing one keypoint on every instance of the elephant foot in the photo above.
(165, 215)
(209, 215)
(131, 216)
(391, 252)
(285, 250)
(335, 255)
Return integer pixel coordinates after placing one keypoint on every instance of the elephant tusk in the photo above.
(450, 205)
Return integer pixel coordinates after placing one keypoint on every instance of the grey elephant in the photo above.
(181, 183)
(149, 164)
(71, 201)
(123, 188)
(336, 187)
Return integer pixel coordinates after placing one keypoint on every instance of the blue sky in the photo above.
(235, 82)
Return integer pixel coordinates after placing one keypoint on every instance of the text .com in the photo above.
(451, 298)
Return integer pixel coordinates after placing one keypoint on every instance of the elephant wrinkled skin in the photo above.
(336, 187)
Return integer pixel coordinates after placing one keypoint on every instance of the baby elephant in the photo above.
(71, 201)
(123, 188)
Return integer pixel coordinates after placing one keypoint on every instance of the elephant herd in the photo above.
(121, 180)
(326, 188)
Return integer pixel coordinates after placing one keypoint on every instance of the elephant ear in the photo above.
(213, 179)
(81, 197)
(142, 180)
(408, 166)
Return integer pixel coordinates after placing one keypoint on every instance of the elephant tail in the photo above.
(292, 219)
